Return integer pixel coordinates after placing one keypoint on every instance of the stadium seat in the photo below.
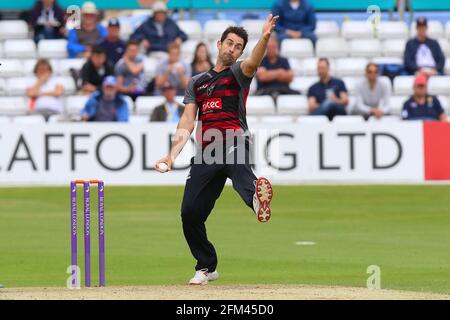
(57, 118)
(403, 85)
(260, 105)
(447, 30)
(312, 119)
(356, 30)
(367, 48)
(68, 83)
(439, 85)
(332, 48)
(351, 83)
(348, 119)
(213, 28)
(150, 66)
(296, 66)
(387, 60)
(52, 49)
(192, 28)
(126, 29)
(385, 119)
(350, 66)
(397, 104)
(252, 120)
(327, 29)
(292, 104)
(393, 47)
(5, 120)
(145, 105)
(137, 119)
(2, 85)
(249, 48)
(302, 84)
(187, 50)
(393, 30)
(1, 50)
(447, 66)
(445, 103)
(64, 65)
(253, 86)
(277, 119)
(445, 46)
(17, 86)
(253, 27)
(13, 29)
(11, 68)
(74, 104)
(297, 48)
(309, 66)
(130, 104)
(435, 29)
(30, 119)
(13, 106)
(19, 49)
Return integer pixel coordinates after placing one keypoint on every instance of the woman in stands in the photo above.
(44, 91)
(202, 60)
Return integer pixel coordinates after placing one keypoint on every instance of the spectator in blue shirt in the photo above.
(297, 19)
(328, 96)
(112, 44)
(274, 74)
(107, 104)
(81, 41)
(422, 106)
(422, 54)
(158, 31)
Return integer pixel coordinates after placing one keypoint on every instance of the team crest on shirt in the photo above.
(210, 90)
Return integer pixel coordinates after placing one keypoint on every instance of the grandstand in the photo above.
(343, 36)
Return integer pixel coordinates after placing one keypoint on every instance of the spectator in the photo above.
(372, 95)
(80, 41)
(45, 92)
(202, 60)
(297, 19)
(422, 54)
(173, 70)
(274, 74)
(112, 44)
(95, 70)
(47, 20)
(171, 110)
(130, 71)
(158, 31)
(422, 106)
(328, 96)
(106, 104)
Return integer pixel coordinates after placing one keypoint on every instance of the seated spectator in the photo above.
(297, 19)
(158, 31)
(80, 41)
(171, 110)
(422, 54)
(130, 71)
(95, 70)
(274, 74)
(372, 95)
(173, 70)
(328, 96)
(202, 60)
(421, 105)
(112, 44)
(45, 92)
(47, 20)
(106, 104)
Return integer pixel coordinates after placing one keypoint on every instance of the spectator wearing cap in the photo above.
(112, 44)
(275, 74)
(297, 19)
(130, 71)
(170, 110)
(372, 94)
(421, 105)
(158, 31)
(329, 96)
(81, 41)
(422, 54)
(173, 70)
(95, 70)
(106, 104)
(47, 20)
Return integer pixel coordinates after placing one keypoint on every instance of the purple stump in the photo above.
(73, 231)
(87, 234)
(101, 232)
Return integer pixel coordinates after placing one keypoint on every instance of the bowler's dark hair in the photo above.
(239, 31)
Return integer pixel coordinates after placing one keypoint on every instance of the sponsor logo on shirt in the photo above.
(212, 104)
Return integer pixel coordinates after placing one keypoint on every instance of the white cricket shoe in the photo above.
(200, 278)
(262, 198)
(212, 276)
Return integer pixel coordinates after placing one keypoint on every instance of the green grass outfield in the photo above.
(405, 230)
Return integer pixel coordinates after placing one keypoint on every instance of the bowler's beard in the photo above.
(227, 59)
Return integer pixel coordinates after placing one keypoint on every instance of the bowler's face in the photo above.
(230, 49)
